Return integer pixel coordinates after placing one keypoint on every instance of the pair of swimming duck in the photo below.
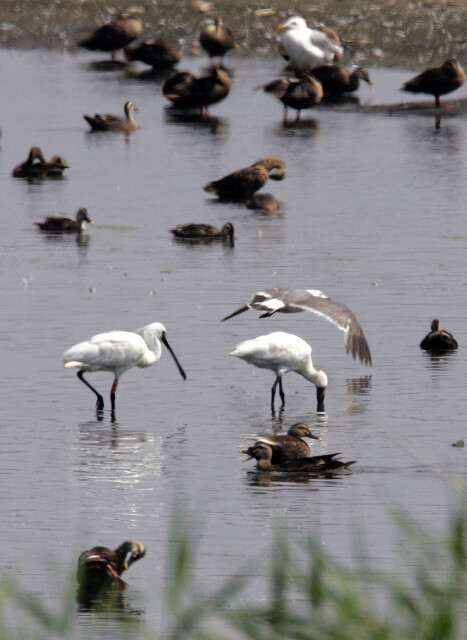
(290, 453)
(36, 166)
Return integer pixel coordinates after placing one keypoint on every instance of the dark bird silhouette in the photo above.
(116, 34)
(297, 93)
(216, 39)
(66, 225)
(438, 340)
(264, 201)
(110, 122)
(100, 568)
(337, 80)
(194, 230)
(437, 81)
(287, 447)
(159, 53)
(263, 453)
(284, 300)
(187, 91)
(241, 185)
(36, 166)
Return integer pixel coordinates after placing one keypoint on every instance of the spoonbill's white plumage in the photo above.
(283, 352)
(118, 351)
(284, 300)
(307, 48)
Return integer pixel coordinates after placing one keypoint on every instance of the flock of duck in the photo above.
(310, 53)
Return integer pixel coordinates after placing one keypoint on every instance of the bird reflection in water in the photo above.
(212, 124)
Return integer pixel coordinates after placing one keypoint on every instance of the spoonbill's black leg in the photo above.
(281, 392)
(113, 391)
(100, 399)
(273, 392)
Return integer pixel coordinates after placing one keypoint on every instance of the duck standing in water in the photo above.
(187, 91)
(336, 80)
(290, 446)
(116, 34)
(297, 93)
(326, 463)
(438, 340)
(159, 53)
(437, 81)
(216, 39)
(241, 185)
(101, 568)
(109, 122)
(66, 225)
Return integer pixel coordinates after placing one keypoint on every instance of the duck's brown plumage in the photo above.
(438, 340)
(263, 453)
(188, 91)
(287, 447)
(66, 225)
(116, 34)
(204, 231)
(36, 166)
(240, 185)
(298, 93)
(216, 39)
(263, 201)
(337, 80)
(101, 567)
(159, 53)
(110, 122)
(437, 81)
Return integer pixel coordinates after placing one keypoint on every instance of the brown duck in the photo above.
(287, 447)
(241, 185)
(188, 91)
(109, 122)
(437, 81)
(438, 340)
(204, 231)
(216, 39)
(263, 454)
(297, 93)
(36, 166)
(264, 202)
(159, 53)
(337, 80)
(116, 34)
(101, 568)
(66, 225)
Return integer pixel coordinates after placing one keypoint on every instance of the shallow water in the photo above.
(373, 214)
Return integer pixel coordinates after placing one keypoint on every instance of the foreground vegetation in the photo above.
(388, 32)
(311, 596)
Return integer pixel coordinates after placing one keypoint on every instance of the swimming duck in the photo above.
(263, 201)
(216, 39)
(109, 122)
(159, 53)
(188, 91)
(298, 93)
(101, 567)
(437, 81)
(116, 34)
(438, 340)
(204, 231)
(307, 48)
(336, 79)
(66, 225)
(290, 446)
(263, 454)
(36, 166)
(240, 185)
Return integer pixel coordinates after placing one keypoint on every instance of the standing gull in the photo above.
(118, 351)
(307, 48)
(284, 300)
(283, 352)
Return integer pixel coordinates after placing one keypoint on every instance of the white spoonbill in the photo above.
(283, 352)
(307, 48)
(284, 300)
(118, 351)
